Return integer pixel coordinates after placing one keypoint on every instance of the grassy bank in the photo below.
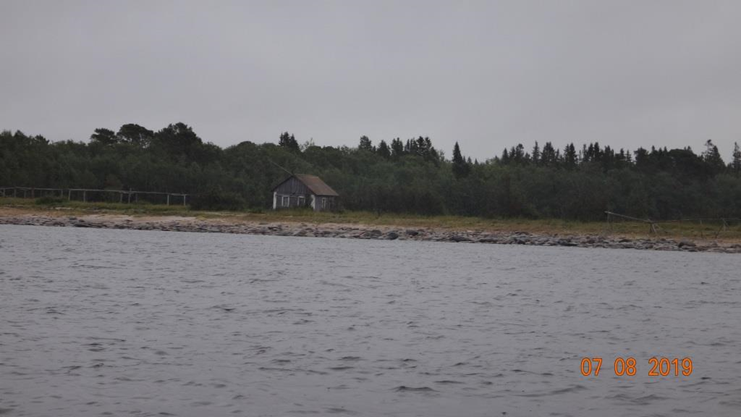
(673, 230)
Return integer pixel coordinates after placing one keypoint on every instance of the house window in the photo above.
(301, 201)
(324, 203)
(286, 201)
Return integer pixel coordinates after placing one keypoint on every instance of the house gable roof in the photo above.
(314, 184)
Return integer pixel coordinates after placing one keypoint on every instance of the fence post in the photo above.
(168, 199)
(722, 228)
(654, 229)
(184, 197)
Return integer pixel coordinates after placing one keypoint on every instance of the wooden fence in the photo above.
(654, 228)
(89, 194)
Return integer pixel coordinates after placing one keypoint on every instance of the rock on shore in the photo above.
(352, 231)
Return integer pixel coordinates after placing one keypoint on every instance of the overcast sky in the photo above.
(486, 74)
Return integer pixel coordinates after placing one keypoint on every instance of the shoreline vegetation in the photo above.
(690, 237)
(409, 177)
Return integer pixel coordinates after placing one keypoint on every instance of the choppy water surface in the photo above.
(112, 322)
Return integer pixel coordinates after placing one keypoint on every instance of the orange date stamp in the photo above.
(628, 366)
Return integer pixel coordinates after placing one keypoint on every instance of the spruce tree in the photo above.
(397, 148)
(548, 155)
(536, 154)
(383, 150)
(505, 157)
(520, 153)
(365, 144)
(460, 167)
(736, 163)
(570, 158)
(457, 157)
(712, 158)
(288, 141)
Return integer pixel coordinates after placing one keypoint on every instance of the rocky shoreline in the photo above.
(354, 231)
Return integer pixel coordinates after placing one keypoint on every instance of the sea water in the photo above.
(147, 323)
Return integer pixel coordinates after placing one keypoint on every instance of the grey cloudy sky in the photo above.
(487, 74)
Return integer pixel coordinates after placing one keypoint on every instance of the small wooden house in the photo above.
(300, 190)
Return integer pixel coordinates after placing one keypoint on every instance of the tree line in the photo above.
(398, 176)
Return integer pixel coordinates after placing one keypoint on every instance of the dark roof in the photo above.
(314, 184)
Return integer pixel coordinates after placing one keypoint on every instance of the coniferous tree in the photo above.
(517, 154)
(536, 154)
(460, 167)
(179, 140)
(736, 162)
(570, 159)
(285, 140)
(104, 136)
(505, 157)
(288, 141)
(384, 150)
(422, 145)
(397, 148)
(642, 158)
(660, 183)
(134, 134)
(548, 156)
(712, 158)
(411, 146)
(457, 156)
(365, 144)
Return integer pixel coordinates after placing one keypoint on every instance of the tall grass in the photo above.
(673, 230)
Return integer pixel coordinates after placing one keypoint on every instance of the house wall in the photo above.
(330, 203)
(292, 189)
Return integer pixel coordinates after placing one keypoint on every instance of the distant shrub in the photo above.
(50, 201)
(218, 201)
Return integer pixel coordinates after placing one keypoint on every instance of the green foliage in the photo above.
(103, 137)
(383, 150)
(409, 176)
(218, 201)
(289, 142)
(712, 158)
(366, 144)
(735, 165)
(460, 166)
(136, 135)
